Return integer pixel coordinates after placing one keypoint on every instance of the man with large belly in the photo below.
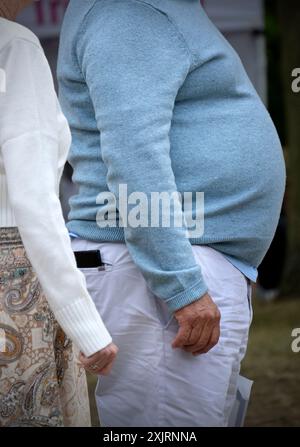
(159, 103)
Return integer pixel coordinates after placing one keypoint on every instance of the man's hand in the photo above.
(199, 326)
(101, 362)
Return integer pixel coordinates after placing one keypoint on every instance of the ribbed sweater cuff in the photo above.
(83, 324)
(186, 297)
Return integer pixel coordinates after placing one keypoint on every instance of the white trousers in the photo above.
(151, 384)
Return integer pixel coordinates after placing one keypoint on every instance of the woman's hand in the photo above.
(101, 362)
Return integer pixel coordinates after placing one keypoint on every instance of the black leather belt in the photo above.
(88, 259)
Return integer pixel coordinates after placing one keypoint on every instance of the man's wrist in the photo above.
(188, 296)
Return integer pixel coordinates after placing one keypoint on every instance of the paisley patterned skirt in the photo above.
(41, 383)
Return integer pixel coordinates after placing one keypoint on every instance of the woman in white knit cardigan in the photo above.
(41, 382)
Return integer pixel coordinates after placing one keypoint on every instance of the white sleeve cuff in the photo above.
(83, 324)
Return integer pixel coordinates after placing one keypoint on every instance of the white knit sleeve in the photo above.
(29, 145)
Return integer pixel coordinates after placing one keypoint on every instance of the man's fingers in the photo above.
(203, 335)
(215, 336)
(196, 325)
(182, 336)
(214, 339)
(195, 335)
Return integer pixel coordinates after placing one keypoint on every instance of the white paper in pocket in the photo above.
(239, 410)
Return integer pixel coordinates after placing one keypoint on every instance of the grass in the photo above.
(274, 367)
(270, 362)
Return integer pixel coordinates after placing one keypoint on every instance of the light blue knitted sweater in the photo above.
(157, 100)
